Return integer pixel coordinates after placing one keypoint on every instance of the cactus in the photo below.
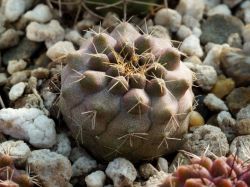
(126, 94)
(222, 172)
(10, 176)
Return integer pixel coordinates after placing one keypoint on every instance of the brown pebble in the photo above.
(223, 86)
(195, 119)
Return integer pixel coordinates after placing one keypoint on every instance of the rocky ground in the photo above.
(214, 37)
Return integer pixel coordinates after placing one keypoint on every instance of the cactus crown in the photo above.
(123, 91)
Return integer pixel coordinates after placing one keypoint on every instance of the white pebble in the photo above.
(214, 103)
(162, 164)
(3, 79)
(41, 13)
(18, 150)
(74, 36)
(246, 47)
(83, 166)
(95, 179)
(16, 91)
(219, 9)
(52, 169)
(232, 3)
(246, 33)
(193, 8)
(206, 76)
(184, 32)
(122, 172)
(51, 32)
(60, 49)
(210, 4)
(169, 18)
(28, 124)
(16, 65)
(62, 145)
(13, 9)
(191, 46)
(197, 32)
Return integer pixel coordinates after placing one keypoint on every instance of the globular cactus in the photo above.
(221, 172)
(126, 94)
(10, 176)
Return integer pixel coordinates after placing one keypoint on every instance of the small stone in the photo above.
(74, 36)
(158, 31)
(223, 86)
(169, 18)
(28, 124)
(227, 124)
(162, 164)
(3, 79)
(197, 32)
(24, 50)
(18, 150)
(246, 48)
(214, 31)
(20, 76)
(213, 57)
(195, 119)
(51, 32)
(121, 171)
(234, 40)
(147, 170)
(183, 32)
(190, 21)
(17, 91)
(240, 146)
(247, 15)
(206, 76)
(236, 64)
(9, 38)
(62, 145)
(219, 9)
(232, 3)
(238, 99)
(40, 73)
(179, 159)
(191, 46)
(78, 152)
(210, 4)
(41, 13)
(60, 49)
(85, 24)
(95, 179)
(2, 22)
(204, 137)
(52, 169)
(193, 59)
(246, 33)
(193, 8)
(83, 166)
(14, 9)
(214, 103)
(243, 120)
(156, 180)
(16, 65)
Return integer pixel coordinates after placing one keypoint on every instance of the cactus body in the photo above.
(126, 94)
(223, 171)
